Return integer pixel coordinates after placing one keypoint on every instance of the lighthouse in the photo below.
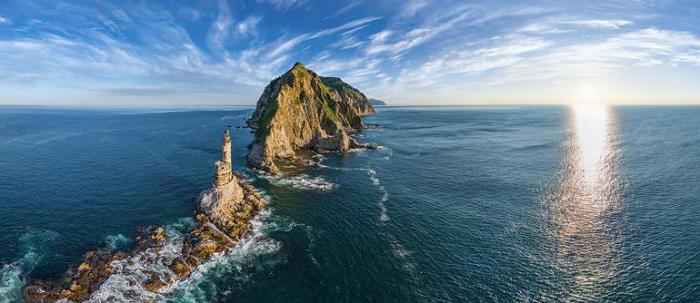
(224, 175)
(226, 146)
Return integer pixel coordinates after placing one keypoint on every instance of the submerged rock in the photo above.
(159, 258)
(302, 110)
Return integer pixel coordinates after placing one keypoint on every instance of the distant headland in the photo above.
(377, 102)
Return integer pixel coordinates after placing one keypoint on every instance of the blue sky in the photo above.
(183, 53)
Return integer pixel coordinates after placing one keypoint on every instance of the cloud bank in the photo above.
(410, 52)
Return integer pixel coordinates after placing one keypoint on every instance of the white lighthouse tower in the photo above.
(224, 173)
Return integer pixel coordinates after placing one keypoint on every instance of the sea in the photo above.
(583, 203)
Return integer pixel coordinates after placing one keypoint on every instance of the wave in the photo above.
(33, 247)
(255, 253)
(301, 181)
(384, 194)
(389, 151)
(117, 242)
(126, 283)
(403, 255)
(383, 216)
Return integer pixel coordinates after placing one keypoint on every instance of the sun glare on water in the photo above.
(584, 205)
(591, 127)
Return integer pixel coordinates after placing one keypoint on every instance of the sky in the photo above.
(412, 52)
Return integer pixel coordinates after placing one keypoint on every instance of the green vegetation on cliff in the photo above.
(301, 109)
(338, 85)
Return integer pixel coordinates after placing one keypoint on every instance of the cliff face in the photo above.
(302, 110)
(221, 202)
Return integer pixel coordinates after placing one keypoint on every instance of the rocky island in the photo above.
(161, 258)
(301, 110)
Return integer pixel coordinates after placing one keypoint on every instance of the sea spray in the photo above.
(300, 182)
(117, 242)
(126, 284)
(383, 216)
(255, 253)
(34, 246)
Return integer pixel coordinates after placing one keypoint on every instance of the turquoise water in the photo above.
(462, 204)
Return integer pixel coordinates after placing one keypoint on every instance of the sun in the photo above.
(588, 93)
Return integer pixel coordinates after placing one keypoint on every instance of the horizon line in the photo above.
(232, 106)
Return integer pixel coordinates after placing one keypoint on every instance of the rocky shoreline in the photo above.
(160, 259)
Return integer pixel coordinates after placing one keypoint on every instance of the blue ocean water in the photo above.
(501, 204)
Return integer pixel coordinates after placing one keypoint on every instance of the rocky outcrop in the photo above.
(160, 259)
(219, 201)
(302, 110)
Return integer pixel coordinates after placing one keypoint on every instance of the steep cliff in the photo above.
(302, 110)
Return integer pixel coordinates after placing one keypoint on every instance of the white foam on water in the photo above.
(305, 182)
(383, 215)
(33, 246)
(117, 242)
(126, 283)
(389, 151)
(235, 263)
(11, 281)
(301, 182)
(403, 255)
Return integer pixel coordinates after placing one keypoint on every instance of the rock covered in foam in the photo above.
(160, 258)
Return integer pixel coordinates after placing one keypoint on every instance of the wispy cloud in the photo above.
(411, 7)
(439, 22)
(344, 9)
(564, 24)
(287, 45)
(227, 48)
(283, 4)
(498, 54)
(646, 47)
(220, 29)
(529, 58)
(248, 25)
(166, 54)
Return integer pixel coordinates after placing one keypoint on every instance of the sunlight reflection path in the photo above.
(584, 208)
